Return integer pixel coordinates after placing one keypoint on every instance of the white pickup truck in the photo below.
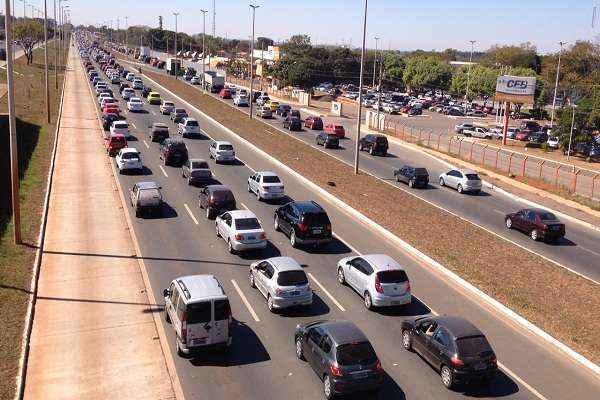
(477, 132)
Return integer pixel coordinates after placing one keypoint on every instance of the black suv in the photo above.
(216, 199)
(327, 140)
(453, 346)
(173, 152)
(146, 91)
(413, 176)
(158, 132)
(108, 119)
(304, 222)
(292, 123)
(374, 144)
(178, 115)
(341, 355)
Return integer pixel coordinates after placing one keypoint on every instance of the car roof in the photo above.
(308, 206)
(267, 173)
(217, 188)
(284, 263)
(458, 326)
(129, 150)
(198, 287)
(160, 125)
(197, 160)
(147, 185)
(238, 214)
(382, 262)
(220, 142)
(343, 332)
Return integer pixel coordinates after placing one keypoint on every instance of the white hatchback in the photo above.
(221, 151)
(120, 127)
(266, 185)
(135, 104)
(241, 230)
(462, 181)
(128, 159)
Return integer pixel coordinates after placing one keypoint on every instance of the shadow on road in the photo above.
(318, 308)
(413, 309)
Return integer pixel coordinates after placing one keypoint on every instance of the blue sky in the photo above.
(405, 25)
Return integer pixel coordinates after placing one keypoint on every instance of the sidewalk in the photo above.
(94, 335)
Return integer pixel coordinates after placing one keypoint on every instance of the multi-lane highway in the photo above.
(262, 363)
(578, 251)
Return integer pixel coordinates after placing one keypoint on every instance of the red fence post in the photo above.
(496, 161)
(594, 184)
(420, 133)
(541, 165)
(483, 154)
(429, 139)
(439, 140)
(510, 161)
(459, 146)
(471, 152)
(450, 145)
(523, 167)
(574, 185)
(556, 175)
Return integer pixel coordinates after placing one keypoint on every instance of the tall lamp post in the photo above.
(556, 85)
(46, 59)
(469, 73)
(177, 70)
(375, 60)
(55, 49)
(126, 32)
(360, 87)
(254, 7)
(203, 48)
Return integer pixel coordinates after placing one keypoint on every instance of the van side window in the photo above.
(180, 308)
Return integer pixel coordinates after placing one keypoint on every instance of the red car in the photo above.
(523, 136)
(114, 143)
(538, 224)
(337, 130)
(315, 123)
(111, 108)
(225, 94)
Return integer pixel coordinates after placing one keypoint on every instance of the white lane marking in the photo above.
(153, 113)
(245, 206)
(326, 292)
(498, 211)
(191, 213)
(146, 144)
(347, 244)
(245, 300)
(521, 381)
(163, 171)
(589, 251)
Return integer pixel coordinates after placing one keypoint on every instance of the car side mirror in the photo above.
(166, 293)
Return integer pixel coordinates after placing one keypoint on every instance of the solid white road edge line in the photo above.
(163, 171)
(501, 308)
(146, 144)
(245, 300)
(327, 292)
(191, 213)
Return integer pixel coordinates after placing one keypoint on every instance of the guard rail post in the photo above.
(471, 151)
(593, 185)
(496, 161)
(523, 166)
(541, 166)
(574, 184)
(556, 175)
(510, 157)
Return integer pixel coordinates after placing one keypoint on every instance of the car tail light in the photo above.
(378, 284)
(239, 237)
(263, 236)
(493, 360)
(336, 371)
(328, 227)
(457, 362)
(303, 227)
(545, 227)
(211, 201)
(278, 291)
(378, 366)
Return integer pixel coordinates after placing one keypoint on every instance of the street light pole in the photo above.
(469, 74)
(360, 87)
(203, 48)
(46, 59)
(379, 91)
(556, 85)
(571, 134)
(177, 70)
(254, 7)
(14, 158)
(55, 50)
(126, 32)
(375, 60)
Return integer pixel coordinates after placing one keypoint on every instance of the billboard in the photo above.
(515, 89)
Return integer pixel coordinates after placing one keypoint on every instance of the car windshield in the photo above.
(472, 177)
(271, 179)
(246, 224)
(381, 140)
(547, 216)
(121, 125)
(356, 354)
(192, 123)
(168, 104)
(332, 137)
(315, 219)
(472, 346)
(394, 276)
(200, 165)
(292, 278)
(225, 147)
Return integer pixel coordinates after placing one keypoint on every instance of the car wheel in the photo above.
(459, 188)
(372, 151)
(230, 247)
(406, 340)
(299, 352)
(447, 377)
(217, 234)
(442, 183)
(327, 389)
(508, 223)
(251, 280)
(534, 235)
(276, 223)
(270, 305)
(368, 301)
(167, 317)
(293, 241)
(411, 183)
(208, 213)
(249, 190)
(258, 195)
(341, 277)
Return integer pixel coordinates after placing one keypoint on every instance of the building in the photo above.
(271, 55)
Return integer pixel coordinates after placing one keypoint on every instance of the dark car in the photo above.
(415, 111)
(146, 91)
(538, 224)
(122, 86)
(315, 123)
(591, 151)
(304, 222)
(216, 199)
(454, 112)
(294, 113)
(341, 356)
(108, 119)
(158, 132)
(2, 54)
(538, 137)
(413, 176)
(327, 140)
(453, 346)
(374, 144)
(173, 152)
(292, 123)
(283, 110)
(178, 115)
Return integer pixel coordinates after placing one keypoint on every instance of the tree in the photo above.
(393, 66)
(482, 82)
(264, 42)
(237, 67)
(427, 72)
(27, 33)
(524, 55)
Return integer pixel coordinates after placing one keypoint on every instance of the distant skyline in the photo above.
(402, 25)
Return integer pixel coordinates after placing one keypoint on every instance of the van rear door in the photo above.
(222, 318)
(199, 323)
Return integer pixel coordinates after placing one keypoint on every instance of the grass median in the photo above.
(564, 304)
(35, 144)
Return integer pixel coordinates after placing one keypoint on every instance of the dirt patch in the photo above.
(548, 296)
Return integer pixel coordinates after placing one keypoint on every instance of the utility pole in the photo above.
(214, 22)
(254, 7)
(46, 59)
(14, 157)
(55, 49)
(556, 85)
(177, 69)
(379, 90)
(126, 32)
(469, 74)
(375, 61)
(203, 48)
(571, 134)
(360, 87)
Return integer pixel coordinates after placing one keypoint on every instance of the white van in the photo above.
(199, 311)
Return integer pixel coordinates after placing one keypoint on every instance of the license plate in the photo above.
(395, 303)
(556, 228)
(317, 231)
(294, 293)
(250, 238)
(360, 374)
(199, 341)
(479, 366)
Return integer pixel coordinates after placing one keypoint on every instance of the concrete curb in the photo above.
(508, 313)
(33, 288)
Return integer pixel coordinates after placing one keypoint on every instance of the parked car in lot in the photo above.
(198, 309)
(412, 176)
(145, 197)
(120, 127)
(292, 123)
(154, 98)
(463, 126)
(538, 224)
(266, 185)
(336, 129)
(158, 132)
(188, 127)
(341, 356)
(135, 104)
(282, 281)
(196, 170)
(315, 123)
(114, 143)
(221, 151)
(241, 230)
(129, 159)
(327, 140)
(453, 346)
(264, 112)
(173, 152)
(538, 137)
(591, 151)
(378, 278)
(167, 107)
(241, 100)
(178, 115)
(523, 136)
(477, 113)
(216, 199)
(374, 144)
(462, 181)
(553, 142)
(304, 222)
(477, 132)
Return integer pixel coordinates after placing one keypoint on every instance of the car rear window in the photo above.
(192, 123)
(179, 146)
(472, 177)
(356, 354)
(315, 219)
(472, 346)
(547, 216)
(121, 125)
(421, 171)
(222, 310)
(246, 224)
(180, 111)
(118, 139)
(168, 104)
(292, 278)
(395, 276)
(271, 179)
(199, 165)
(222, 195)
(225, 147)
(131, 156)
(381, 140)
(332, 137)
(198, 313)
(339, 127)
